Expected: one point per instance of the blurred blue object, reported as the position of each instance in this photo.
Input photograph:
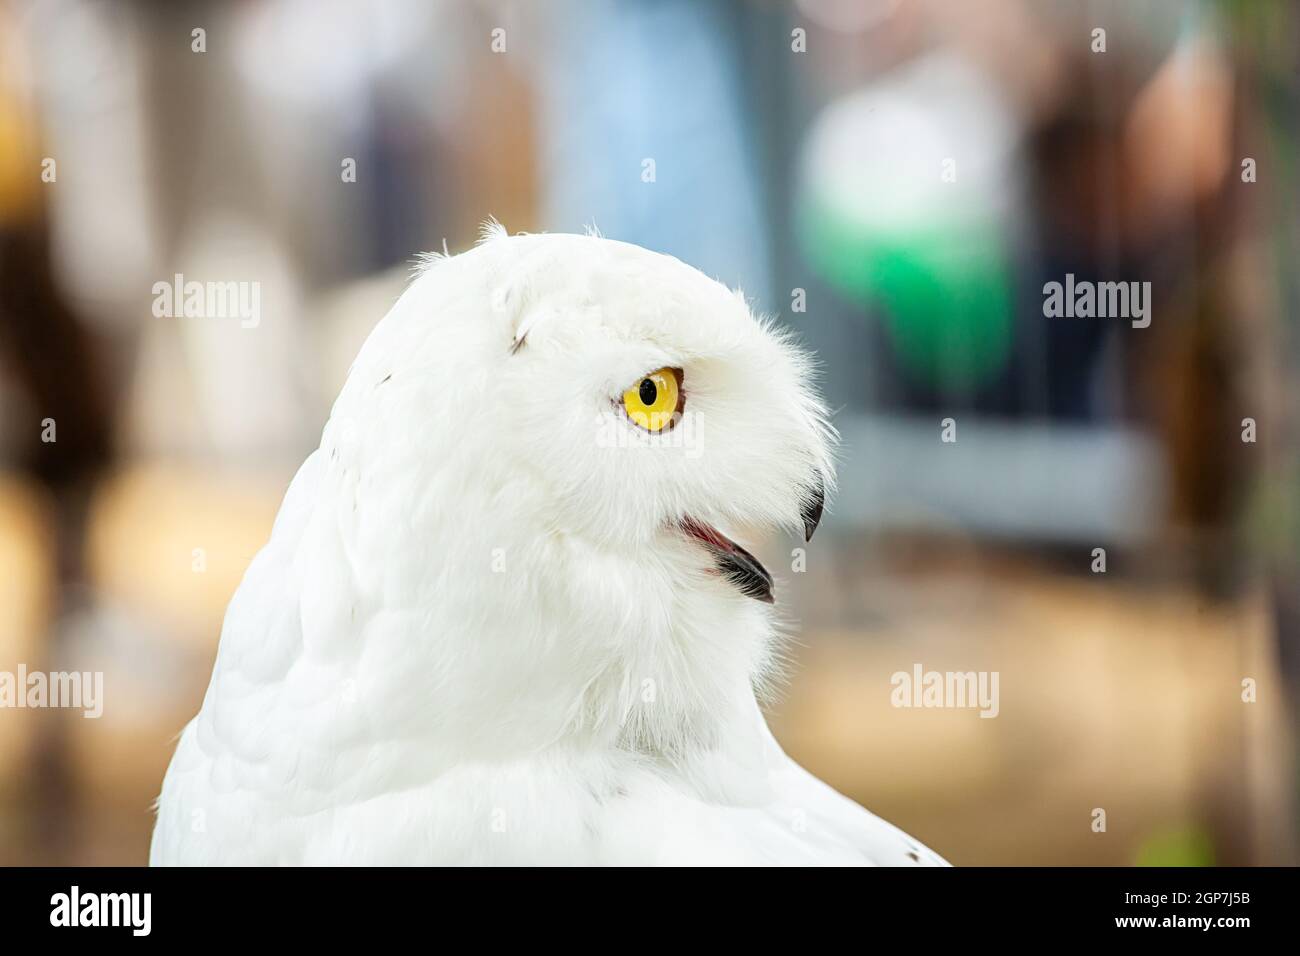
(628, 81)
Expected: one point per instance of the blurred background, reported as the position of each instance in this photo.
(896, 179)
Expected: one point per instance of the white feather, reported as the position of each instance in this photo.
(475, 636)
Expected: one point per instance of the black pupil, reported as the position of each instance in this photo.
(648, 392)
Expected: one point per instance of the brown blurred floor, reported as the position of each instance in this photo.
(1112, 696)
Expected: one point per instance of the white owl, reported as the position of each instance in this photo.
(497, 621)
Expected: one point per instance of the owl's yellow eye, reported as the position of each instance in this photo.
(654, 401)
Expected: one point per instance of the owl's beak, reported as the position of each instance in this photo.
(812, 509)
(735, 563)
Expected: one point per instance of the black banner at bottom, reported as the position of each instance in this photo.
(1147, 905)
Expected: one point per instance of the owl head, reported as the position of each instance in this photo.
(552, 449)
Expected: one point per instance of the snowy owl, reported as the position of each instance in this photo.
(499, 620)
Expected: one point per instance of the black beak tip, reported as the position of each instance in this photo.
(747, 574)
(760, 589)
(812, 511)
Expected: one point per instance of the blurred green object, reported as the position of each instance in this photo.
(909, 190)
(1186, 846)
(946, 295)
